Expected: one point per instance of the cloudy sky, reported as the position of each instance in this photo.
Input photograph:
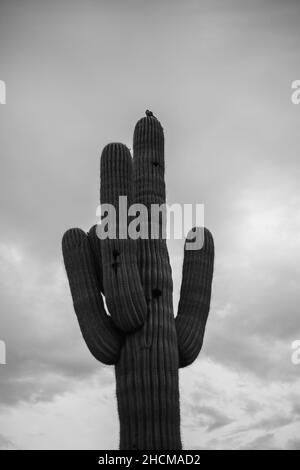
(218, 75)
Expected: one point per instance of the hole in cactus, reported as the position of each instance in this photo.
(115, 266)
(155, 164)
(115, 263)
(156, 293)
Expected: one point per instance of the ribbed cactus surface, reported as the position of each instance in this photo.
(140, 337)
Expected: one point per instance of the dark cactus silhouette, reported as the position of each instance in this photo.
(141, 337)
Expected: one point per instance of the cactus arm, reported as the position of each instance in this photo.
(122, 285)
(95, 245)
(98, 330)
(194, 300)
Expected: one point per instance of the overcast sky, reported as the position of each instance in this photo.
(217, 73)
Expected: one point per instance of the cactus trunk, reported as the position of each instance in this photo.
(147, 371)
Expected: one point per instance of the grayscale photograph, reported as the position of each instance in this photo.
(150, 221)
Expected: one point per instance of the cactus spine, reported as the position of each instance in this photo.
(141, 337)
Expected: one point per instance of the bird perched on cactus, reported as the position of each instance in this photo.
(149, 113)
(141, 337)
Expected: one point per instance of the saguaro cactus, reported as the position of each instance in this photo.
(140, 337)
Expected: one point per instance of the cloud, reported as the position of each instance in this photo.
(216, 419)
(254, 317)
(223, 408)
(84, 417)
(5, 443)
(46, 354)
(264, 442)
(293, 444)
(270, 423)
